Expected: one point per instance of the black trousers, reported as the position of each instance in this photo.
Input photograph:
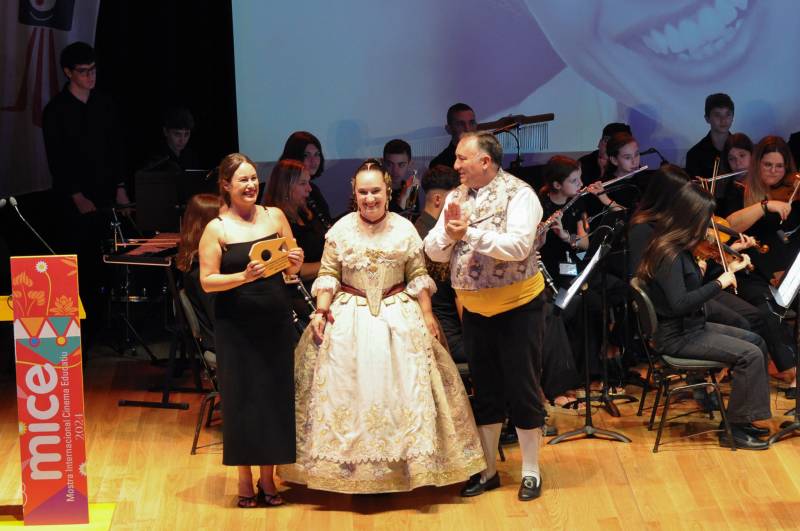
(778, 335)
(745, 351)
(504, 353)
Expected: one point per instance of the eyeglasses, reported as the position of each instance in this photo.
(86, 71)
(770, 166)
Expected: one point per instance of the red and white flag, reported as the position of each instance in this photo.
(33, 33)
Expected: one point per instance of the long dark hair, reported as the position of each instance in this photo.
(683, 225)
(614, 144)
(285, 173)
(660, 194)
(557, 169)
(295, 148)
(201, 209)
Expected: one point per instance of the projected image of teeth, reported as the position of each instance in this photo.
(699, 35)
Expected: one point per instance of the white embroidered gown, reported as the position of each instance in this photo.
(380, 406)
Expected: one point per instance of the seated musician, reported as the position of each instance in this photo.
(200, 209)
(306, 148)
(725, 307)
(437, 183)
(174, 151)
(593, 165)
(623, 158)
(288, 188)
(559, 252)
(397, 161)
(735, 157)
(675, 284)
(765, 210)
(460, 120)
(719, 116)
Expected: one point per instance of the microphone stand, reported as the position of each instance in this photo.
(517, 162)
(13, 202)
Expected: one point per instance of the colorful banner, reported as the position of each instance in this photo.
(47, 339)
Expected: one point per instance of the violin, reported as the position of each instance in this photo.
(787, 190)
(726, 233)
(708, 249)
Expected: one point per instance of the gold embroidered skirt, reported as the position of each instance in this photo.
(380, 406)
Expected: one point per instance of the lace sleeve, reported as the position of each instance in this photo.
(416, 274)
(330, 270)
(420, 283)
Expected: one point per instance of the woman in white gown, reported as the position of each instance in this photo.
(380, 406)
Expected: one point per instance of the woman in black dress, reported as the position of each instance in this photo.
(254, 333)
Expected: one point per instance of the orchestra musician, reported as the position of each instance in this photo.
(305, 147)
(766, 209)
(675, 284)
(288, 188)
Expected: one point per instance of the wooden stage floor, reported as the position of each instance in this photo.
(139, 459)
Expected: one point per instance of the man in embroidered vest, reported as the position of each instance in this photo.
(487, 234)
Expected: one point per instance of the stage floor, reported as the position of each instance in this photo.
(139, 458)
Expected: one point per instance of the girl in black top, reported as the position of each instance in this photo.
(675, 285)
(566, 238)
(763, 212)
(289, 188)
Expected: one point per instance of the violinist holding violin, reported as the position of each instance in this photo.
(675, 284)
(766, 210)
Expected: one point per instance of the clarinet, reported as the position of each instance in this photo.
(295, 279)
(547, 278)
(314, 208)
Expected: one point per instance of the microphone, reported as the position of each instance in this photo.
(650, 151)
(3, 202)
(505, 128)
(13, 202)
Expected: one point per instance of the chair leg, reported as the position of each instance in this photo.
(199, 425)
(501, 452)
(722, 412)
(212, 398)
(664, 414)
(659, 391)
(645, 390)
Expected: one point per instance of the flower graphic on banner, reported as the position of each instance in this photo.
(63, 305)
(82, 469)
(41, 266)
(23, 428)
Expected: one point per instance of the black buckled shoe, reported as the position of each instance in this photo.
(742, 440)
(474, 487)
(529, 489)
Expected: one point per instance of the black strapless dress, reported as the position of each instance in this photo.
(255, 343)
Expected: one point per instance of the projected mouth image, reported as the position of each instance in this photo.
(666, 57)
(712, 36)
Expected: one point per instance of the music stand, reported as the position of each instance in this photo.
(562, 301)
(784, 295)
(156, 197)
(161, 197)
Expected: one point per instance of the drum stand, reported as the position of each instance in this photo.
(128, 344)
